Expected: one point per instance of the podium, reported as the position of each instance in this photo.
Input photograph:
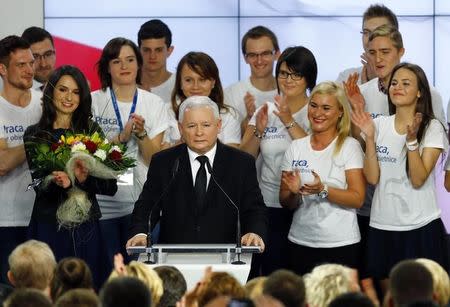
(192, 259)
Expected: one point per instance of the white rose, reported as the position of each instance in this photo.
(79, 146)
(101, 154)
(115, 148)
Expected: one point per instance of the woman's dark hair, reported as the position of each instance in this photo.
(81, 117)
(70, 273)
(111, 52)
(424, 104)
(204, 65)
(300, 60)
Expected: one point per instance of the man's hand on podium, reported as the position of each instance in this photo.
(252, 239)
(138, 240)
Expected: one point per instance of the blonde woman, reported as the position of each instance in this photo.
(322, 179)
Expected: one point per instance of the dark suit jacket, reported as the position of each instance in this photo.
(180, 222)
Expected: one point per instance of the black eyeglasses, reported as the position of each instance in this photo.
(264, 55)
(45, 56)
(294, 75)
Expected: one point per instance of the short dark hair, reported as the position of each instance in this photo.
(410, 281)
(125, 291)
(78, 298)
(300, 60)
(36, 34)
(287, 287)
(258, 32)
(9, 45)
(379, 10)
(155, 28)
(27, 297)
(111, 51)
(81, 118)
(354, 299)
(174, 285)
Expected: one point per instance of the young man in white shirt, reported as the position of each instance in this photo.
(19, 108)
(155, 44)
(43, 49)
(260, 49)
(376, 15)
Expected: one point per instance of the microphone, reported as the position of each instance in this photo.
(175, 168)
(238, 222)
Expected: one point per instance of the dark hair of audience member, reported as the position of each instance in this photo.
(82, 115)
(256, 33)
(112, 51)
(9, 45)
(70, 273)
(36, 35)
(221, 283)
(78, 298)
(174, 285)
(409, 282)
(155, 29)
(125, 291)
(354, 299)
(27, 297)
(287, 287)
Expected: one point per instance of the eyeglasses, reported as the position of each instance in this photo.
(266, 55)
(295, 76)
(45, 56)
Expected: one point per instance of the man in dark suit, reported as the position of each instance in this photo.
(194, 209)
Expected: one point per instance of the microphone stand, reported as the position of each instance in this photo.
(238, 249)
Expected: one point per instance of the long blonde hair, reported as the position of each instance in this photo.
(343, 125)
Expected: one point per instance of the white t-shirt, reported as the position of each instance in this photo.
(235, 93)
(164, 90)
(343, 75)
(17, 203)
(317, 222)
(397, 206)
(152, 108)
(272, 148)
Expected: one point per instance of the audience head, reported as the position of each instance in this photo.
(254, 287)
(287, 287)
(125, 291)
(409, 282)
(299, 65)
(31, 265)
(326, 282)
(329, 98)
(66, 83)
(119, 55)
(174, 285)
(16, 62)
(27, 298)
(197, 75)
(147, 275)
(221, 283)
(155, 29)
(260, 46)
(43, 49)
(78, 298)
(199, 123)
(376, 15)
(70, 273)
(353, 299)
(441, 281)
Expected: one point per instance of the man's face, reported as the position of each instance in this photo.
(385, 56)
(19, 72)
(260, 55)
(199, 129)
(155, 53)
(45, 58)
(369, 25)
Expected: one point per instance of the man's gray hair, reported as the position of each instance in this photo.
(198, 102)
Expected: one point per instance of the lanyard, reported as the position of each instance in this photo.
(116, 107)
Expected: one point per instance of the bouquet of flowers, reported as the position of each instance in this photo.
(102, 159)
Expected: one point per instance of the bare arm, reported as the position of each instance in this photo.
(10, 157)
(284, 114)
(254, 133)
(290, 197)
(148, 147)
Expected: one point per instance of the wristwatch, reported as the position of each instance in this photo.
(141, 136)
(324, 193)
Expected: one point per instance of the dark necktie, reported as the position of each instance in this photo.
(200, 183)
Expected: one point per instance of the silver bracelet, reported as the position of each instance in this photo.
(291, 125)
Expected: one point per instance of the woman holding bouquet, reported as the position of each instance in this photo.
(66, 110)
(130, 116)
